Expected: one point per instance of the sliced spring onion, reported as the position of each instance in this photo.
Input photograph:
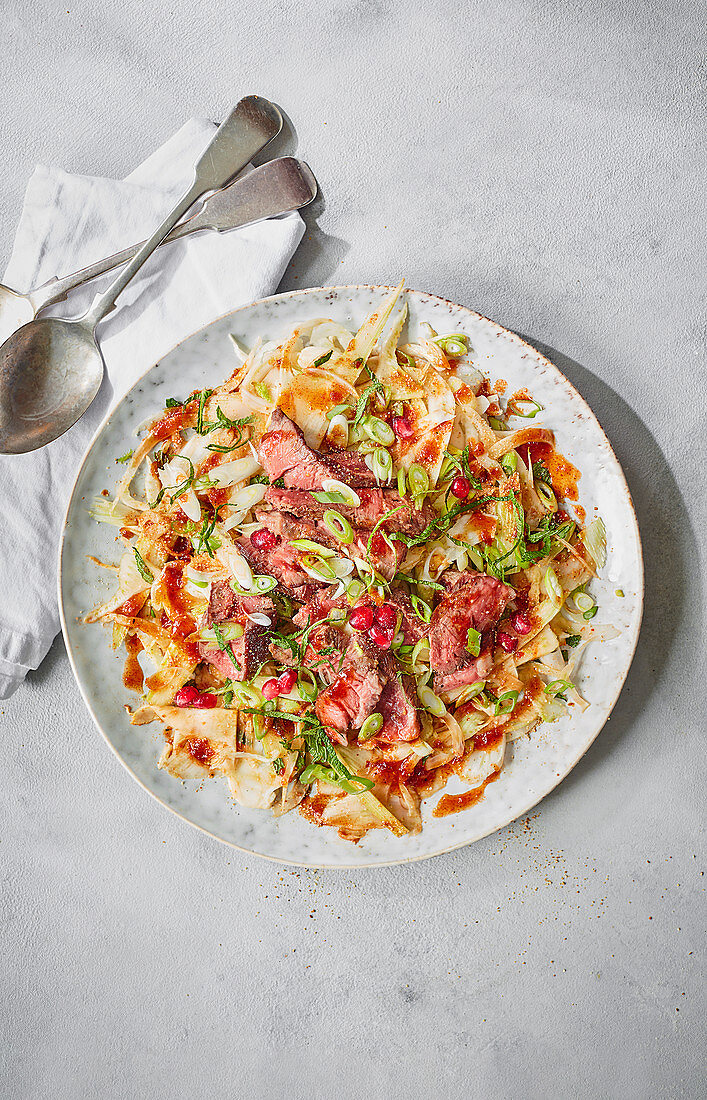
(242, 572)
(354, 590)
(316, 771)
(351, 497)
(263, 584)
(431, 702)
(313, 547)
(497, 424)
(323, 359)
(418, 479)
(417, 651)
(339, 526)
(307, 684)
(546, 495)
(259, 618)
(619, 592)
(246, 694)
(382, 464)
(584, 601)
(337, 410)
(401, 482)
(532, 408)
(471, 692)
(422, 608)
(509, 462)
(329, 498)
(473, 642)
(591, 613)
(262, 390)
(454, 345)
(317, 568)
(555, 687)
(370, 727)
(552, 586)
(377, 430)
(230, 632)
(506, 702)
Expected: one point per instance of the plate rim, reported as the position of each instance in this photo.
(640, 587)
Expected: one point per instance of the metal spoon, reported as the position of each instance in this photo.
(51, 369)
(277, 187)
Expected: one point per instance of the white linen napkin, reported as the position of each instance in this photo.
(70, 221)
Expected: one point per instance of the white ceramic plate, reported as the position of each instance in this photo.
(534, 766)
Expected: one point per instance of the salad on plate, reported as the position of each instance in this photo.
(352, 570)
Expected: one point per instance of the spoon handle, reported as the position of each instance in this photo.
(277, 187)
(237, 139)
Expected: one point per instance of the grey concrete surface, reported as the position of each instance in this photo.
(542, 162)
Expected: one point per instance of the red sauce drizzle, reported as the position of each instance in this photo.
(564, 475)
(454, 803)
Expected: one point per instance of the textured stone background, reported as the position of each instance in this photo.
(540, 162)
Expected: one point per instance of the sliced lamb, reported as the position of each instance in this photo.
(249, 652)
(353, 695)
(284, 453)
(251, 649)
(319, 605)
(412, 626)
(398, 704)
(385, 556)
(323, 654)
(281, 562)
(375, 503)
(225, 604)
(475, 601)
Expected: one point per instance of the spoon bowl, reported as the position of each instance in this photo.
(50, 371)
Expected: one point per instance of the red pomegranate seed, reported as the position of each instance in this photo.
(361, 618)
(262, 539)
(186, 695)
(205, 701)
(286, 681)
(402, 427)
(461, 487)
(385, 616)
(271, 689)
(507, 641)
(521, 624)
(380, 636)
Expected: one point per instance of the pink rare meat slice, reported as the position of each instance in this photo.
(474, 602)
(242, 656)
(353, 695)
(284, 453)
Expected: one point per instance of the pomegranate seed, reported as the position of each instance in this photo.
(262, 539)
(286, 681)
(402, 427)
(361, 618)
(521, 624)
(186, 695)
(461, 487)
(380, 636)
(507, 641)
(205, 701)
(271, 689)
(385, 616)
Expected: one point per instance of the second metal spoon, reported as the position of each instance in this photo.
(278, 187)
(51, 369)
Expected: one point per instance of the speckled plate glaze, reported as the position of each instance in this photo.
(534, 765)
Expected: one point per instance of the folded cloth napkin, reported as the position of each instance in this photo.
(68, 222)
